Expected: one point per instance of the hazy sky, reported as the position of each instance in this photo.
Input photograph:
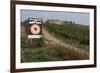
(79, 18)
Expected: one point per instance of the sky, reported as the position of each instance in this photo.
(78, 18)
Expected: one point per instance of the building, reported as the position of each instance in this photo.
(55, 22)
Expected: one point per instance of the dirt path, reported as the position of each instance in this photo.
(54, 40)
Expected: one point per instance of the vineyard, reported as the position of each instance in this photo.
(74, 34)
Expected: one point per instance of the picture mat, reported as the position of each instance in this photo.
(20, 65)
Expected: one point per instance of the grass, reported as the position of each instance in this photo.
(32, 55)
(50, 53)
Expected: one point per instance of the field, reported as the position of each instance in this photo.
(59, 43)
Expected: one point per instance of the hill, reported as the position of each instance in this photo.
(59, 43)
